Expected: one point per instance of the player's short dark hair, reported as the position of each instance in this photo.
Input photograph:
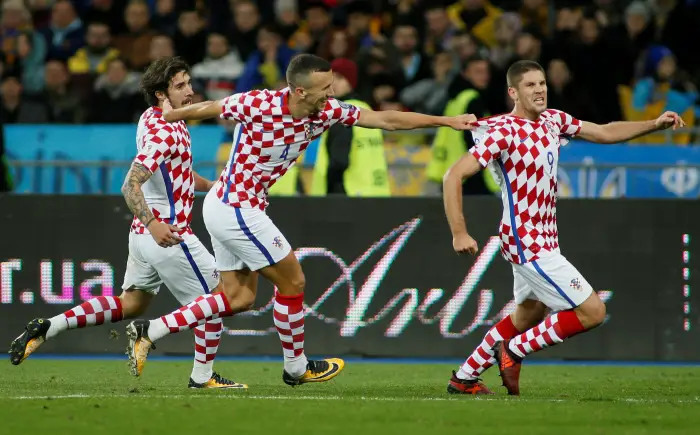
(158, 76)
(302, 66)
(518, 69)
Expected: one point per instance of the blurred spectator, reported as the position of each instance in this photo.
(528, 45)
(164, 18)
(313, 33)
(244, 31)
(562, 94)
(64, 106)
(266, 66)
(5, 174)
(602, 88)
(65, 34)
(217, 74)
(663, 88)
(161, 47)
(380, 59)
(466, 95)
(190, 37)
(110, 12)
(385, 93)
(359, 23)
(134, 45)
(476, 16)
(16, 22)
(287, 17)
(439, 29)
(338, 44)
(23, 49)
(430, 94)
(462, 47)
(609, 13)
(632, 38)
(507, 27)
(678, 29)
(403, 11)
(416, 66)
(16, 108)
(98, 52)
(117, 97)
(535, 13)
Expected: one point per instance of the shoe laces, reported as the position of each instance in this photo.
(221, 380)
(316, 367)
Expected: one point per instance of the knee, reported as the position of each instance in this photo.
(298, 283)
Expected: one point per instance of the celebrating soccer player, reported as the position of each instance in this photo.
(521, 149)
(159, 190)
(273, 129)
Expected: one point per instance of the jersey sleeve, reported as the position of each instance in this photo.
(491, 144)
(156, 146)
(241, 107)
(344, 113)
(569, 126)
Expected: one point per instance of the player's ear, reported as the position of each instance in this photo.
(512, 93)
(161, 96)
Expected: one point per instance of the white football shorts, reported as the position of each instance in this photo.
(242, 237)
(551, 280)
(187, 269)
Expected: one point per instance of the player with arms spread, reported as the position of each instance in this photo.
(159, 190)
(522, 151)
(274, 128)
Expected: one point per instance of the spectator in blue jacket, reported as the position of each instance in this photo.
(65, 34)
(266, 66)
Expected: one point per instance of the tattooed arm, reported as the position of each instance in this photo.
(163, 234)
(131, 189)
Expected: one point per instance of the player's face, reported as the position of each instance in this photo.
(180, 90)
(320, 90)
(531, 92)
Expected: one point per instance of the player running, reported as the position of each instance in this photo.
(522, 151)
(159, 190)
(274, 128)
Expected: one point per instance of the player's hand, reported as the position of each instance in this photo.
(669, 119)
(464, 244)
(165, 235)
(462, 122)
(167, 107)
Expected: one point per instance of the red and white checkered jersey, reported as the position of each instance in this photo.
(523, 156)
(164, 148)
(268, 140)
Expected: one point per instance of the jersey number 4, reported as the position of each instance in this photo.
(285, 153)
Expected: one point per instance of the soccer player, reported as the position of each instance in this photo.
(522, 151)
(159, 190)
(274, 128)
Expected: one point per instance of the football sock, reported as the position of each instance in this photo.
(96, 311)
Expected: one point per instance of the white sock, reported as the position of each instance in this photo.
(157, 329)
(461, 374)
(202, 372)
(57, 325)
(296, 366)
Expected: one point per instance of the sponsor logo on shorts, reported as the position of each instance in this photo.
(576, 284)
(215, 274)
(277, 241)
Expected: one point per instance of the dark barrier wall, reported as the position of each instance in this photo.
(382, 279)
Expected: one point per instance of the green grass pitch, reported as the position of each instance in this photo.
(44, 396)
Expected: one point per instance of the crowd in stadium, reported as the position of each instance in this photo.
(80, 61)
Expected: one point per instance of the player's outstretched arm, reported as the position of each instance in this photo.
(131, 189)
(201, 184)
(193, 112)
(394, 120)
(464, 168)
(622, 131)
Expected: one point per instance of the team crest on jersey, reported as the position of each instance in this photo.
(576, 284)
(308, 131)
(277, 241)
